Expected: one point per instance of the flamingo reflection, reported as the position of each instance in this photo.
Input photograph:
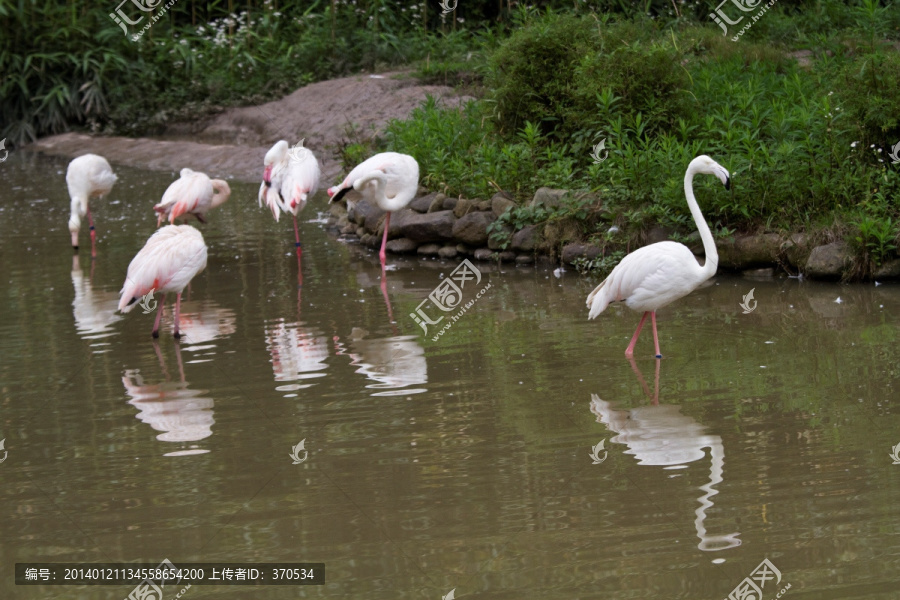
(660, 435)
(95, 312)
(393, 363)
(181, 414)
(298, 353)
(205, 321)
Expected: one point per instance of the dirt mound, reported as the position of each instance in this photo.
(234, 142)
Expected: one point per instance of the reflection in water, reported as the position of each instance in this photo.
(181, 414)
(393, 362)
(660, 435)
(297, 353)
(94, 311)
(205, 321)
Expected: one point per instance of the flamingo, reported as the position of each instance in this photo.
(394, 180)
(193, 194)
(290, 177)
(168, 261)
(87, 176)
(653, 276)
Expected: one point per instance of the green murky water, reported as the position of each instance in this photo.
(462, 463)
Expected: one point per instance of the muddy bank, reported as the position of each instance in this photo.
(233, 143)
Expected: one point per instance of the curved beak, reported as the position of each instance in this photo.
(267, 175)
(75, 240)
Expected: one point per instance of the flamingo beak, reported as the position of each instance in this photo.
(267, 176)
(75, 240)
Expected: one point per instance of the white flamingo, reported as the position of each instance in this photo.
(194, 193)
(389, 179)
(653, 276)
(290, 177)
(167, 263)
(87, 176)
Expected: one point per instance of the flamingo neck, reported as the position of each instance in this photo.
(222, 192)
(709, 245)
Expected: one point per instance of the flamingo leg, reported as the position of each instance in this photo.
(297, 242)
(159, 312)
(655, 335)
(93, 234)
(387, 225)
(177, 314)
(629, 351)
(387, 300)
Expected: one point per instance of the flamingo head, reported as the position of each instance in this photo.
(706, 165)
(276, 154)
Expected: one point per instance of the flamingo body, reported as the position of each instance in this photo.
(389, 179)
(87, 176)
(169, 260)
(290, 177)
(194, 193)
(656, 275)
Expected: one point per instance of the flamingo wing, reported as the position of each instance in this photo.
(191, 193)
(301, 179)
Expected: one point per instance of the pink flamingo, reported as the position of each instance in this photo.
(167, 263)
(87, 176)
(290, 177)
(653, 276)
(389, 179)
(193, 194)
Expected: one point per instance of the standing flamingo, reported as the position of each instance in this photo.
(193, 194)
(394, 180)
(290, 177)
(168, 261)
(87, 176)
(655, 275)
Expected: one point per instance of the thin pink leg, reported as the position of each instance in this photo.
(655, 335)
(297, 242)
(387, 225)
(93, 234)
(629, 351)
(177, 314)
(159, 312)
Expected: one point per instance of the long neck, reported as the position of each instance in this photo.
(717, 460)
(222, 192)
(709, 246)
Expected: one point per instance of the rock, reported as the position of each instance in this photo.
(447, 252)
(548, 197)
(483, 254)
(524, 259)
(367, 214)
(766, 273)
(437, 204)
(828, 261)
(421, 190)
(507, 256)
(471, 229)
(398, 218)
(428, 249)
(450, 203)
(360, 231)
(336, 209)
(464, 249)
(401, 246)
(796, 250)
(525, 240)
(749, 251)
(348, 229)
(658, 234)
(422, 203)
(430, 227)
(889, 270)
(494, 243)
(572, 251)
(463, 206)
(366, 239)
(501, 202)
(484, 205)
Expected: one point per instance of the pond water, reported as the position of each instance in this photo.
(429, 466)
